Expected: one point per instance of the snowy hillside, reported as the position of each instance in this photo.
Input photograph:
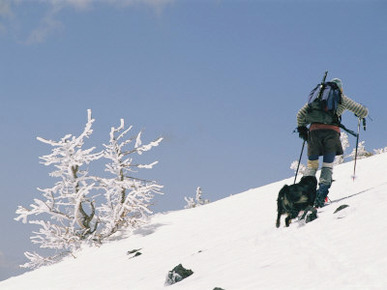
(233, 244)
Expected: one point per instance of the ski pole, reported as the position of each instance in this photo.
(357, 145)
(299, 161)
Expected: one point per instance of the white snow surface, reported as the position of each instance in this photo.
(233, 244)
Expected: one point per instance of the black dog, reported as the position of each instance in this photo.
(297, 197)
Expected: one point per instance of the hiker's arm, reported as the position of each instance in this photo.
(358, 109)
(301, 116)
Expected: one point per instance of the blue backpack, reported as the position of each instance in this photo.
(323, 102)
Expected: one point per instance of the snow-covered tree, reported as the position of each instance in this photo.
(294, 166)
(198, 201)
(72, 211)
(345, 144)
(127, 198)
(380, 150)
(361, 151)
(69, 204)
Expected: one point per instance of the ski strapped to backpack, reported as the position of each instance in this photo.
(323, 102)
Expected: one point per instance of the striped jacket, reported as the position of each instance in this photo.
(346, 104)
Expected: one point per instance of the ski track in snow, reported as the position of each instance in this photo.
(233, 244)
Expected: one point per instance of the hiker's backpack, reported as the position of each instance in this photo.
(323, 101)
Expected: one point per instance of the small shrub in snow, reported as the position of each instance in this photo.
(380, 151)
(191, 202)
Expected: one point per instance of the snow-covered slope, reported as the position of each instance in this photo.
(233, 244)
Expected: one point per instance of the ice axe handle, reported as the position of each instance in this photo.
(325, 77)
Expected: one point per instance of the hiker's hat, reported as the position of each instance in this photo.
(338, 82)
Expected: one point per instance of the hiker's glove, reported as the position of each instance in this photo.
(303, 132)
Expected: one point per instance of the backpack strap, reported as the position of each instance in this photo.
(348, 130)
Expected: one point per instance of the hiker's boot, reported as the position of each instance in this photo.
(321, 195)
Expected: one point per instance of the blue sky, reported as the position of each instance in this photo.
(221, 81)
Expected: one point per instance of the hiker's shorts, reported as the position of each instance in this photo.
(324, 141)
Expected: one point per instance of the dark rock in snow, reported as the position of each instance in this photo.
(177, 274)
(133, 251)
(341, 207)
(136, 253)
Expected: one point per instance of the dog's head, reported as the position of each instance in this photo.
(304, 191)
(309, 181)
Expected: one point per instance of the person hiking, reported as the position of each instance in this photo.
(324, 140)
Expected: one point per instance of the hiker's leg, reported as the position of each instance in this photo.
(312, 166)
(325, 179)
(314, 152)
